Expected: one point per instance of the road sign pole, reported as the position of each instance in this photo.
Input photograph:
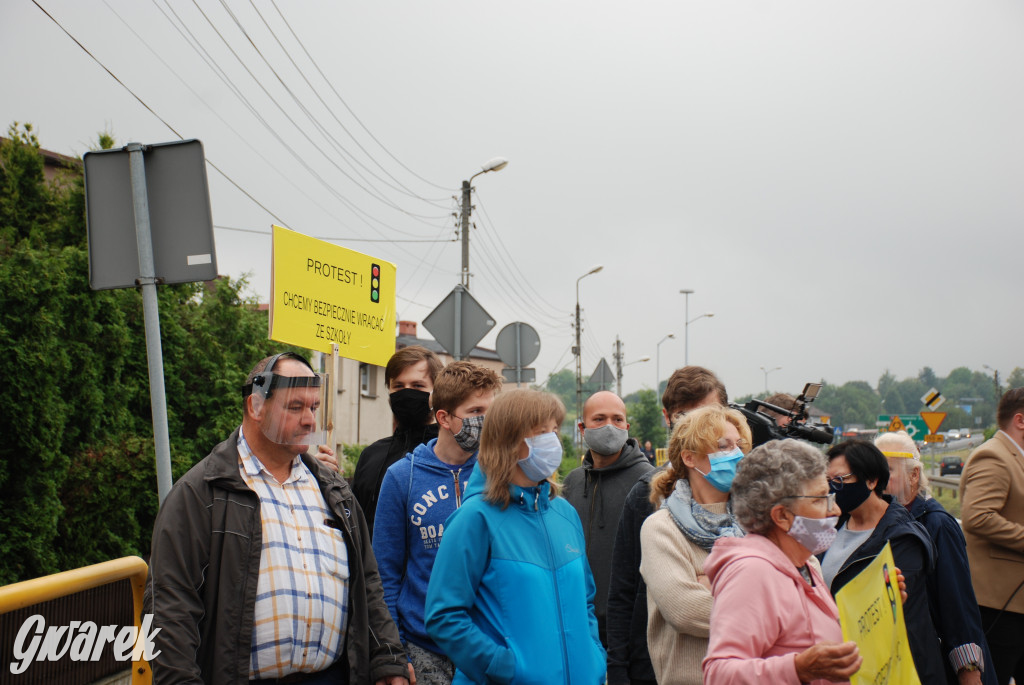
(457, 352)
(151, 316)
(519, 355)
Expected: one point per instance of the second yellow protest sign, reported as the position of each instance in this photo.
(323, 293)
(871, 615)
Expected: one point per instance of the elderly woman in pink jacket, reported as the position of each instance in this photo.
(773, 618)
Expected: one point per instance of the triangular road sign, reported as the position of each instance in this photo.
(896, 425)
(602, 376)
(933, 419)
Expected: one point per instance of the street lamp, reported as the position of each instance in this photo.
(657, 364)
(706, 315)
(766, 372)
(686, 317)
(496, 164)
(995, 379)
(576, 350)
(618, 381)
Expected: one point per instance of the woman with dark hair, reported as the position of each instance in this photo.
(858, 474)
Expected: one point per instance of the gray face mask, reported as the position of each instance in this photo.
(606, 440)
(468, 437)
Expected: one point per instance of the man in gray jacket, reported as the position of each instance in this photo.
(598, 488)
(261, 566)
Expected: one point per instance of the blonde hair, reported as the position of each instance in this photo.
(900, 444)
(697, 432)
(513, 417)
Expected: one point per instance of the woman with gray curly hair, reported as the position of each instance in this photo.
(773, 618)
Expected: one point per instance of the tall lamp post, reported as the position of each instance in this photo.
(496, 164)
(576, 349)
(618, 381)
(995, 380)
(657, 364)
(766, 372)
(686, 317)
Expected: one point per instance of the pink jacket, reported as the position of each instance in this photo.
(764, 613)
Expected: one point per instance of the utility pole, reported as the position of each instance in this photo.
(576, 352)
(467, 208)
(618, 366)
(496, 164)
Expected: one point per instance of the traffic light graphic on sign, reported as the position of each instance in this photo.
(375, 283)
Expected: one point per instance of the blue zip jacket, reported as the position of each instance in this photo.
(418, 494)
(511, 599)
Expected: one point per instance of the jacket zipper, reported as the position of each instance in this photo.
(558, 599)
(458, 489)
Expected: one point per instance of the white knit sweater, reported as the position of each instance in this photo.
(678, 606)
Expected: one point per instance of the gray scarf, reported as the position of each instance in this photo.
(699, 525)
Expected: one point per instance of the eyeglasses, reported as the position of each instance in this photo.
(830, 499)
(837, 482)
(726, 446)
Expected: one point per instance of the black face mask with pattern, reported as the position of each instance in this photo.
(410, 406)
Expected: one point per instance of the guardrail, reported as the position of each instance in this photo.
(27, 593)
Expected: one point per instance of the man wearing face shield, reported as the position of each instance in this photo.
(598, 489)
(261, 565)
(951, 597)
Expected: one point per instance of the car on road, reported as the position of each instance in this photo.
(953, 434)
(951, 466)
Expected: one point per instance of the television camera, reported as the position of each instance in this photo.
(764, 427)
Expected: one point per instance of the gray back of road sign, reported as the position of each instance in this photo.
(179, 212)
(602, 376)
(475, 322)
(519, 353)
(520, 375)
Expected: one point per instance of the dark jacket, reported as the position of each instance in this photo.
(203, 575)
(628, 658)
(377, 458)
(914, 554)
(598, 496)
(954, 608)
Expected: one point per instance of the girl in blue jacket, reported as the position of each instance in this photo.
(511, 597)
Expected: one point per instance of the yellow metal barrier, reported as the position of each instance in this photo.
(660, 456)
(29, 592)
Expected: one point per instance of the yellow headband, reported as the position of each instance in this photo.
(903, 455)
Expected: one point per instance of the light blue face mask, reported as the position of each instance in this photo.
(723, 469)
(545, 456)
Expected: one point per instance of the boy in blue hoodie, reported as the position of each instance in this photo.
(418, 494)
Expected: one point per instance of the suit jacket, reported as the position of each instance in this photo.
(992, 497)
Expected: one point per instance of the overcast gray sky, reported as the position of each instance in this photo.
(839, 183)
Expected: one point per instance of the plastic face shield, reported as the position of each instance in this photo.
(291, 409)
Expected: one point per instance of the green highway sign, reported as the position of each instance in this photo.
(912, 423)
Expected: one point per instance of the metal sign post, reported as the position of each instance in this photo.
(458, 323)
(518, 344)
(155, 199)
(151, 313)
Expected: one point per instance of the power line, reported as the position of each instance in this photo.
(292, 121)
(330, 110)
(337, 239)
(345, 104)
(151, 111)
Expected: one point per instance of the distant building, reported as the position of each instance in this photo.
(361, 410)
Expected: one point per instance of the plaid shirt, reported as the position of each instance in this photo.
(302, 591)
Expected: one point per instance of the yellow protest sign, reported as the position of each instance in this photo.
(323, 293)
(871, 615)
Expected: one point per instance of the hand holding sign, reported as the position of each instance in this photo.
(828, 661)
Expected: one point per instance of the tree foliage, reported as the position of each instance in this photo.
(645, 418)
(77, 475)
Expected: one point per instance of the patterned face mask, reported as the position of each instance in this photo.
(817, 535)
(468, 437)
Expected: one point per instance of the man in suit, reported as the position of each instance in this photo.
(992, 493)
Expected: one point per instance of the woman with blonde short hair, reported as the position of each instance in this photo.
(511, 598)
(693, 511)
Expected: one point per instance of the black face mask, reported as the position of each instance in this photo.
(851, 496)
(410, 406)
